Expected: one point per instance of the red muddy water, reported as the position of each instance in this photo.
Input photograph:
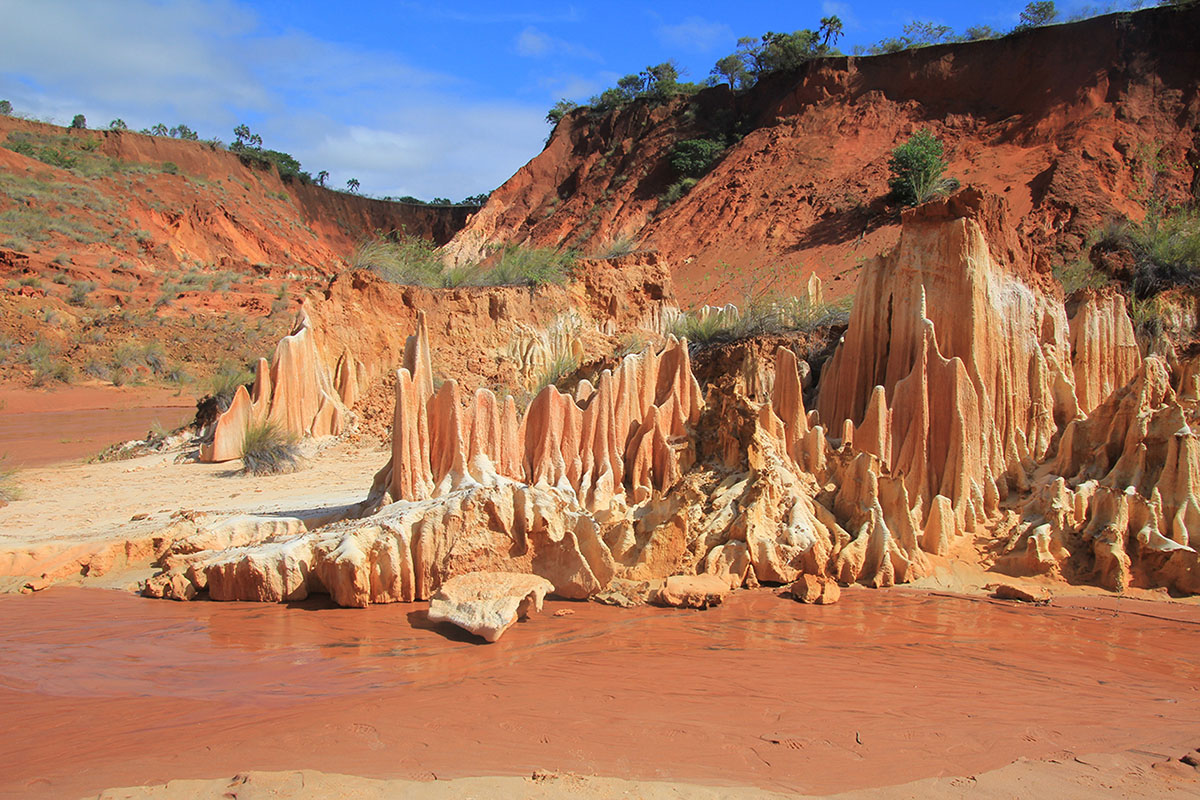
(46, 427)
(101, 689)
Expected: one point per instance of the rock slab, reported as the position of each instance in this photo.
(488, 603)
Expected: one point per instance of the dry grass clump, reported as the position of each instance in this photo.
(267, 450)
(761, 317)
(559, 367)
(412, 261)
(10, 490)
(224, 383)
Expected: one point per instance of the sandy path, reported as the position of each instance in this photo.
(102, 689)
(68, 507)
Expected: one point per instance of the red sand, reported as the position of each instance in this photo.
(102, 689)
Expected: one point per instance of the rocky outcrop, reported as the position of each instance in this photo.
(626, 438)
(350, 337)
(949, 407)
(296, 393)
(967, 345)
(488, 603)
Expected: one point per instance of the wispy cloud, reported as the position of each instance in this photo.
(212, 64)
(696, 34)
(567, 13)
(533, 43)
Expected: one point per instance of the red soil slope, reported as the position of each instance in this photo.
(118, 238)
(1073, 124)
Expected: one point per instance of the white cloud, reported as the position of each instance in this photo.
(697, 35)
(209, 64)
(533, 43)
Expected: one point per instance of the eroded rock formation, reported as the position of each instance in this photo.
(348, 338)
(949, 417)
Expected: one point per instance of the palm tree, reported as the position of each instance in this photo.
(322, 176)
(831, 30)
(352, 184)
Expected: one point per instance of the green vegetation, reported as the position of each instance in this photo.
(248, 146)
(79, 293)
(6, 108)
(776, 52)
(1037, 14)
(561, 366)
(79, 123)
(917, 167)
(267, 450)
(400, 259)
(691, 158)
(621, 245)
(224, 383)
(412, 261)
(1165, 248)
(764, 315)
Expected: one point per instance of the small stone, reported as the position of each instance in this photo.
(564, 612)
(139, 517)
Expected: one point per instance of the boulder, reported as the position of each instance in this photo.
(693, 591)
(488, 603)
(815, 589)
(1008, 591)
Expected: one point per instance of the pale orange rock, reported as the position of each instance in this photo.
(692, 591)
(488, 603)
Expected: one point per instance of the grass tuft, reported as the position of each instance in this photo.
(267, 450)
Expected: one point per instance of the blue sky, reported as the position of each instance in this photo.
(412, 98)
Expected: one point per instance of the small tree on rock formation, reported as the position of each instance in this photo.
(352, 184)
(1037, 14)
(322, 176)
(118, 124)
(5, 108)
(917, 167)
(79, 123)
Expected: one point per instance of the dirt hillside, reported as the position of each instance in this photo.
(1073, 124)
(127, 257)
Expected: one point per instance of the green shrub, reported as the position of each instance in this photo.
(917, 167)
(766, 315)
(675, 191)
(50, 369)
(224, 383)
(621, 245)
(1079, 274)
(267, 450)
(530, 266)
(1165, 248)
(558, 368)
(79, 293)
(462, 275)
(407, 260)
(79, 122)
(691, 158)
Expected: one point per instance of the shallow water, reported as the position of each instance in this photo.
(102, 689)
(34, 439)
